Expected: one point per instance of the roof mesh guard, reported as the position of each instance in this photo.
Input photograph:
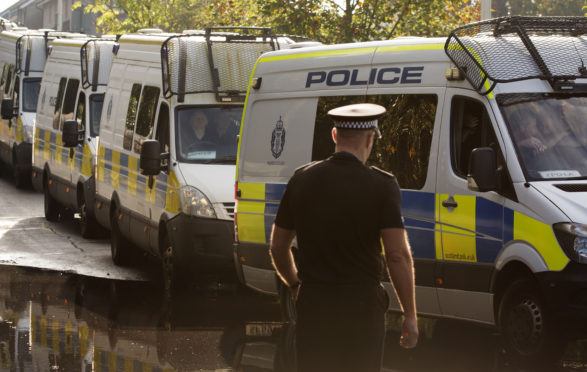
(511, 49)
(218, 62)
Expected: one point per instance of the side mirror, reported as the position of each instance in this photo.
(7, 109)
(483, 173)
(150, 160)
(70, 134)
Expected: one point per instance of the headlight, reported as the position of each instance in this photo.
(27, 133)
(195, 203)
(572, 237)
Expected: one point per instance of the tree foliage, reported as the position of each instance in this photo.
(329, 21)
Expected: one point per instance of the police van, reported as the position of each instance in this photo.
(22, 54)
(67, 126)
(168, 141)
(486, 135)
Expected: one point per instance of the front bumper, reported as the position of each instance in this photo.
(202, 242)
(254, 267)
(566, 293)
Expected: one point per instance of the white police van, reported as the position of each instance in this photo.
(499, 234)
(22, 55)
(176, 202)
(67, 125)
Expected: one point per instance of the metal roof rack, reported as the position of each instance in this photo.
(518, 48)
(231, 53)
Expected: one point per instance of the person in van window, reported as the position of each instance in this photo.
(470, 133)
(195, 132)
(224, 132)
(340, 209)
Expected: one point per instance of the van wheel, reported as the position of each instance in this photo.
(120, 247)
(52, 207)
(527, 327)
(19, 176)
(168, 267)
(88, 225)
(286, 304)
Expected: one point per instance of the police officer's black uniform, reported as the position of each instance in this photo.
(337, 208)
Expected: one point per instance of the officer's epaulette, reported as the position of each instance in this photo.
(307, 166)
(381, 171)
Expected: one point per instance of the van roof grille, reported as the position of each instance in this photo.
(573, 187)
(518, 48)
(226, 70)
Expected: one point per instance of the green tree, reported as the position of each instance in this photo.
(124, 16)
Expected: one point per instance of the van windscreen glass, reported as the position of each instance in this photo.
(30, 94)
(208, 134)
(96, 103)
(549, 132)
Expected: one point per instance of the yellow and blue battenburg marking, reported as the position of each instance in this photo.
(476, 232)
(122, 172)
(63, 337)
(48, 142)
(108, 361)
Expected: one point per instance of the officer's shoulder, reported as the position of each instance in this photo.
(381, 172)
(306, 167)
(383, 175)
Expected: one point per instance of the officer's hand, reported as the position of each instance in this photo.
(409, 337)
(294, 293)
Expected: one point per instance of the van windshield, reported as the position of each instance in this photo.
(96, 102)
(30, 94)
(549, 132)
(208, 134)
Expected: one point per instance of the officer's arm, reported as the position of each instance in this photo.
(401, 270)
(281, 255)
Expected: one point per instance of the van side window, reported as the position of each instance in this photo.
(69, 101)
(406, 130)
(80, 112)
(58, 101)
(3, 79)
(146, 117)
(16, 92)
(471, 128)
(131, 116)
(8, 82)
(163, 127)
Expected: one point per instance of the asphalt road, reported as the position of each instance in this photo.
(27, 239)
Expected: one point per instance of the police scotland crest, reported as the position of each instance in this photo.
(278, 139)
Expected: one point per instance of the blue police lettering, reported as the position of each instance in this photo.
(356, 77)
(412, 75)
(331, 81)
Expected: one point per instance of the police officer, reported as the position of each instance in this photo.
(339, 209)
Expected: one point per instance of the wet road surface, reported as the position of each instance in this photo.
(65, 307)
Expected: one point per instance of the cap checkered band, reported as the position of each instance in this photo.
(356, 124)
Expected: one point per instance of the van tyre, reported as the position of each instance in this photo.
(51, 206)
(120, 247)
(528, 329)
(20, 177)
(88, 225)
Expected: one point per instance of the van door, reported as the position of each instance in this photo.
(471, 223)
(80, 117)
(161, 135)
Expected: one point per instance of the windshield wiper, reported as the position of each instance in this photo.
(230, 159)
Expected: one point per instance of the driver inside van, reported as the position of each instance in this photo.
(195, 132)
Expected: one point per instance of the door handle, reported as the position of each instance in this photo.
(450, 203)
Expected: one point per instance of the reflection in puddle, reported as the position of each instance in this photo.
(55, 322)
